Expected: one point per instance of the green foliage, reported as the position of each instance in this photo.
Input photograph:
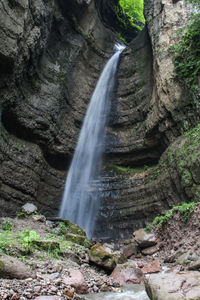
(7, 226)
(127, 169)
(6, 242)
(195, 2)
(27, 238)
(62, 228)
(185, 209)
(187, 54)
(134, 10)
(148, 228)
(21, 215)
(121, 38)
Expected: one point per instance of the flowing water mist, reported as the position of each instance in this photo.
(80, 200)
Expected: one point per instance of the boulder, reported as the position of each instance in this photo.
(150, 250)
(127, 273)
(195, 265)
(144, 239)
(152, 267)
(183, 259)
(99, 256)
(29, 208)
(75, 279)
(47, 244)
(11, 267)
(173, 286)
(39, 218)
(130, 250)
(77, 239)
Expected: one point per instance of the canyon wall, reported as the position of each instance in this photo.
(51, 55)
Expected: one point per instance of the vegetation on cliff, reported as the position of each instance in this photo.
(134, 10)
(130, 14)
(187, 53)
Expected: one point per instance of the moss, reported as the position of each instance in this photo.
(122, 170)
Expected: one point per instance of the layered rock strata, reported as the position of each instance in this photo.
(51, 55)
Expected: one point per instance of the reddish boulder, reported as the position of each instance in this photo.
(152, 267)
(75, 279)
(127, 273)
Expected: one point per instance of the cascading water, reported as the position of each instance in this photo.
(80, 200)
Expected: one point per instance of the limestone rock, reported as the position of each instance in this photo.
(152, 267)
(127, 273)
(130, 250)
(29, 208)
(150, 250)
(11, 267)
(75, 279)
(39, 218)
(102, 258)
(173, 286)
(144, 239)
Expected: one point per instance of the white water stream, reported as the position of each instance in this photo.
(131, 292)
(80, 200)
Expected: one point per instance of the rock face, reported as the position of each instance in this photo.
(51, 55)
(173, 286)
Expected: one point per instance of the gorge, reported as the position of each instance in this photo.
(51, 55)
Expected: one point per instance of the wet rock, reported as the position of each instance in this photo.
(75, 279)
(144, 239)
(11, 267)
(127, 273)
(173, 286)
(29, 208)
(152, 267)
(102, 258)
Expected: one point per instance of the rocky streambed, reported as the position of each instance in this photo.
(42, 259)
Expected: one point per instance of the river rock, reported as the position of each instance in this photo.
(127, 273)
(195, 265)
(144, 239)
(130, 250)
(29, 208)
(102, 258)
(11, 267)
(47, 298)
(152, 267)
(173, 286)
(75, 279)
(150, 250)
(39, 218)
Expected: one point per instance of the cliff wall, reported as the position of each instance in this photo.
(51, 55)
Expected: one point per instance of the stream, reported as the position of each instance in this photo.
(129, 292)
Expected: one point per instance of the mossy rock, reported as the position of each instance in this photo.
(77, 239)
(102, 258)
(73, 228)
(47, 245)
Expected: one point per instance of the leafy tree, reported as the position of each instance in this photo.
(134, 10)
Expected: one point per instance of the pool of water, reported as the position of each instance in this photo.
(131, 292)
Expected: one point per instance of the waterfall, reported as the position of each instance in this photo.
(80, 200)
